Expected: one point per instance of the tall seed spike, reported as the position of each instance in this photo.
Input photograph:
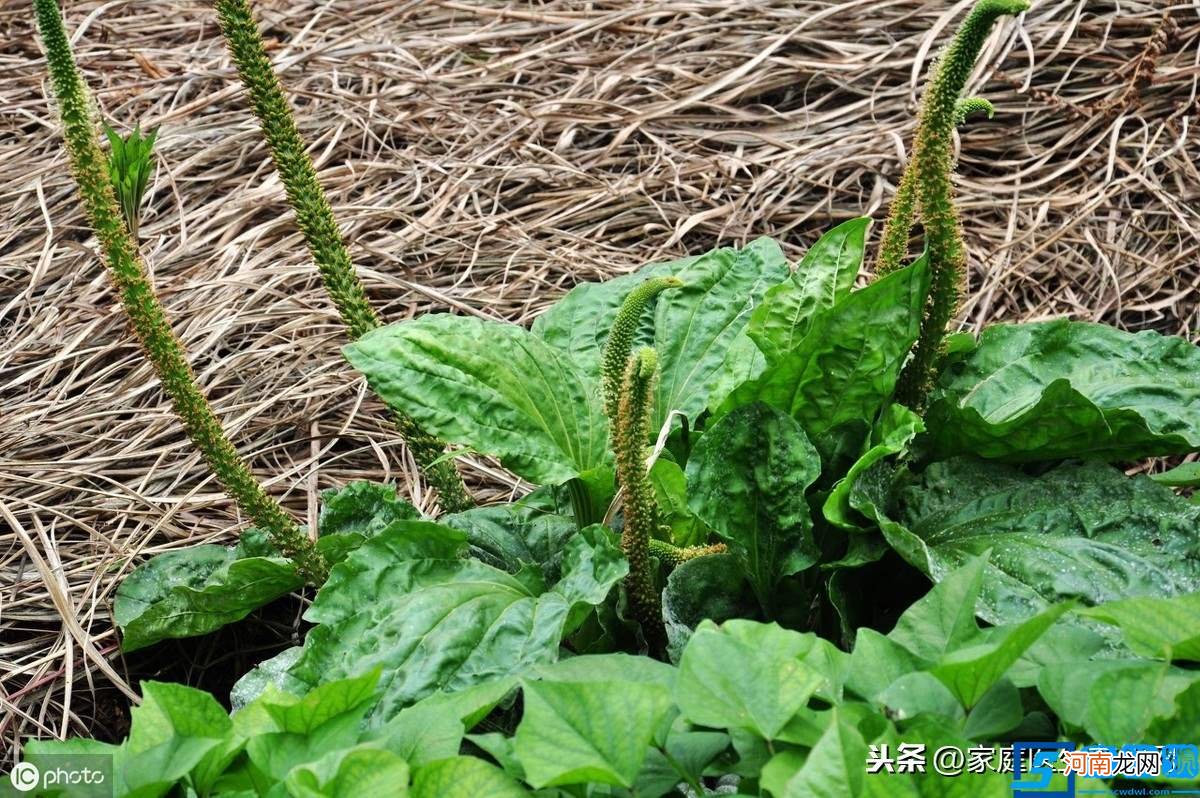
(319, 227)
(930, 185)
(620, 337)
(146, 315)
(630, 433)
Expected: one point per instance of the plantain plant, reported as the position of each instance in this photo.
(321, 234)
(146, 314)
(795, 504)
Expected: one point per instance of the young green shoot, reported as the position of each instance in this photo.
(130, 160)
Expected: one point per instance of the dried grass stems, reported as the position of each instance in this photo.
(484, 158)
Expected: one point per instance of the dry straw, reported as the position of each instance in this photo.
(485, 160)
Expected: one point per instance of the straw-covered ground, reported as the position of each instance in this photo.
(485, 157)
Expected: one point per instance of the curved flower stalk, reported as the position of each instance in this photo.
(926, 181)
(320, 229)
(629, 444)
(620, 338)
(146, 315)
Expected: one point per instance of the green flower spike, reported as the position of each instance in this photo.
(629, 444)
(927, 181)
(674, 556)
(320, 229)
(620, 338)
(146, 315)
(970, 106)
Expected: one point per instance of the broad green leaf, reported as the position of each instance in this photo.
(1066, 641)
(943, 620)
(425, 732)
(177, 730)
(362, 508)
(1125, 702)
(513, 536)
(472, 704)
(919, 693)
(683, 758)
(354, 773)
(896, 428)
(820, 281)
(305, 714)
(1061, 388)
(616, 667)
(578, 324)
(492, 386)
(998, 711)
(299, 731)
(838, 377)
(691, 752)
(747, 478)
(877, 661)
(463, 777)
(408, 603)
(1182, 723)
(1167, 628)
(501, 749)
(355, 512)
(745, 675)
(1113, 699)
(743, 363)
(271, 672)
(588, 732)
(670, 492)
(707, 588)
(699, 330)
(833, 769)
(199, 589)
(1185, 475)
(1079, 531)
(694, 326)
(970, 672)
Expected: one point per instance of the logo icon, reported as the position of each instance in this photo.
(1180, 761)
(1035, 782)
(25, 776)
